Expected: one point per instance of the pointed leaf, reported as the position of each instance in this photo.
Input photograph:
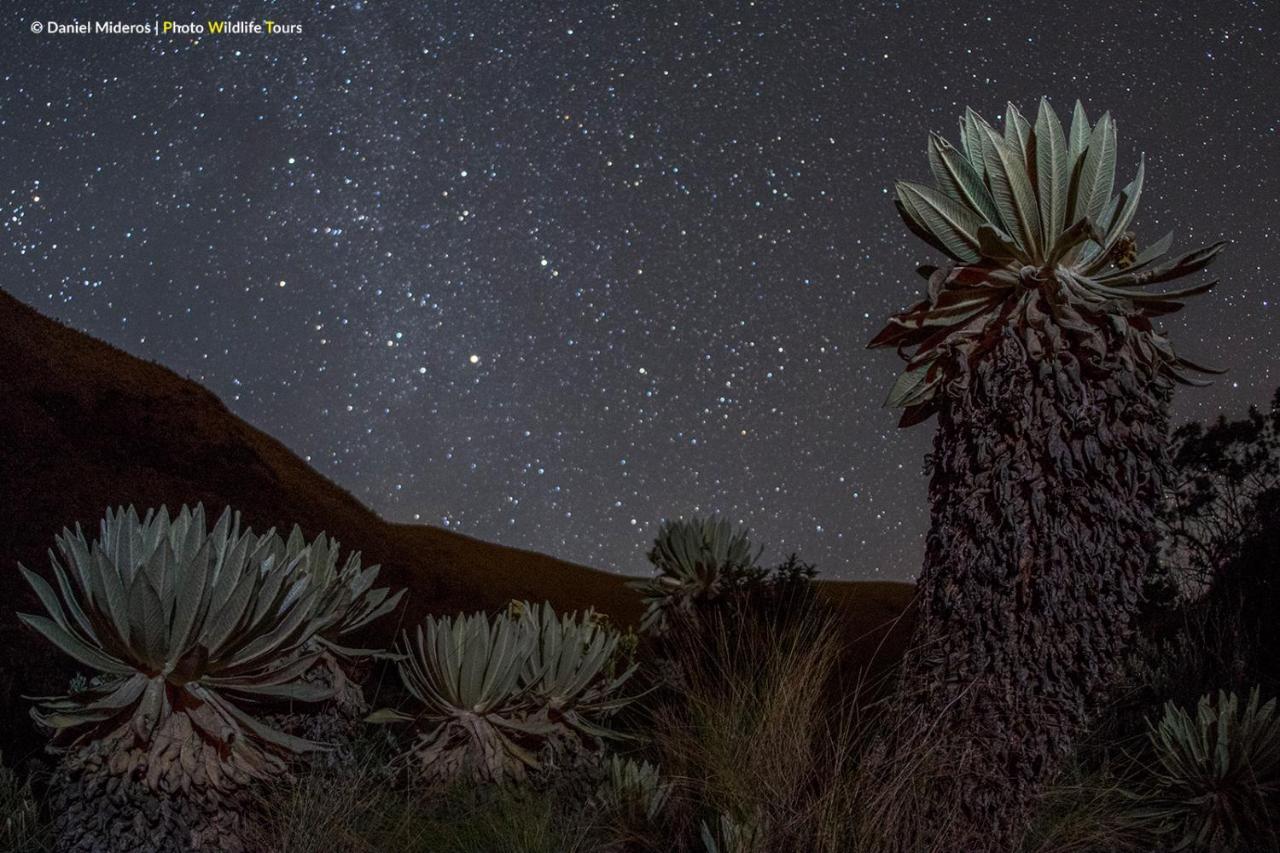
(1012, 191)
(916, 227)
(996, 244)
(1093, 185)
(1185, 265)
(388, 715)
(953, 224)
(1152, 253)
(1052, 172)
(1017, 135)
(74, 646)
(1132, 194)
(971, 125)
(907, 382)
(1071, 238)
(1080, 132)
(957, 178)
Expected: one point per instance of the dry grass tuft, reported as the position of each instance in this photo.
(22, 826)
(765, 738)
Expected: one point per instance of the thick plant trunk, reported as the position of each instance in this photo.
(1045, 478)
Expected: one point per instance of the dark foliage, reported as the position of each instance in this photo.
(1225, 474)
(772, 595)
(1214, 625)
(1217, 624)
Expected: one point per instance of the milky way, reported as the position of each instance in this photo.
(545, 277)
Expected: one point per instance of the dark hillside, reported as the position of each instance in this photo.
(85, 425)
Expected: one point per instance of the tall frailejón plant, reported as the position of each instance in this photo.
(1036, 347)
(190, 631)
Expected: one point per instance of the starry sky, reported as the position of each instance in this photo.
(546, 274)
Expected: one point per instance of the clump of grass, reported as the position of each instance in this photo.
(758, 734)
(325, 809)
(776, 745)
(358, 809)
(22, 826)
(899, 763)
(1086, 810)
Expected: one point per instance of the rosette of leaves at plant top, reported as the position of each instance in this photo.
(346, 599)
(190, 629)
(1021, 215)
(467, 677)
(697, 560)
(570, 670)
(1215, 781)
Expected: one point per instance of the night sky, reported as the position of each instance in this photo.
(547, 275)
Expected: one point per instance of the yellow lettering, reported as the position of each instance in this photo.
(217, 27)
(167, 27)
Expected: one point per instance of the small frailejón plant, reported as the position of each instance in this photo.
(465, 672)
(1215, 784)
(190, 630)
(345, 601)
(571, 671)
(731, 835)
(500, 696)
(1036, 345)
(633, 792)
(697, 561)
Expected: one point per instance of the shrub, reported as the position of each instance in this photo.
(1222, 473)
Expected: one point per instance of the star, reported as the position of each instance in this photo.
(611, 234)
